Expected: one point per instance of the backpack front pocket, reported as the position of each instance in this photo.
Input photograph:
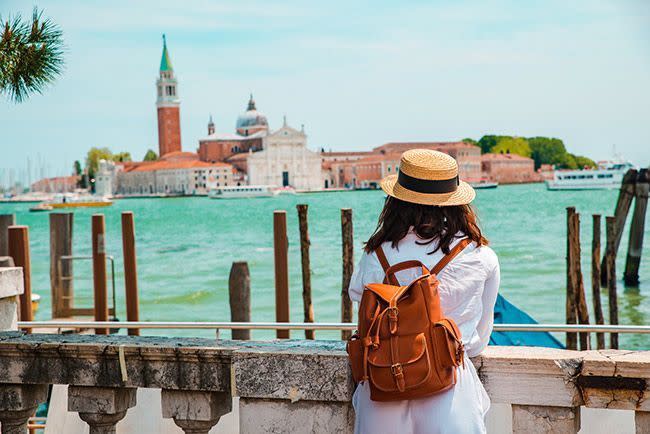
(410, 368)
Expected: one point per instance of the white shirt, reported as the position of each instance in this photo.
(468, 290)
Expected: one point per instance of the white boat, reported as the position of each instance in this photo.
(608, 175)
(241, 191)
(483, 183)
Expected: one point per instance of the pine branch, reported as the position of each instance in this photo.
(31, 55)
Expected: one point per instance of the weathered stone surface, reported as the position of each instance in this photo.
(272, 416)
(9, 313)
(101, 407)
(189, 364)
(195, 412)
(510, 373)
(532, 419)
(17, 403)
(317, 371)
(11, 281)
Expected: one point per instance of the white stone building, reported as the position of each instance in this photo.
(286, 161)
(177, 173)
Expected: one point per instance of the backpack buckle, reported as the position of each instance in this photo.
(396, 369)
(392, 318)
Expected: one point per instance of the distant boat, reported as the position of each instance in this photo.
(72, 200)
(607, 176)
(483, 183)
(507, 313)
(240, 191)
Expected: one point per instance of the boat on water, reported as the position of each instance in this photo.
(72, 200)
(608, 175)
(483, 183)
(248, 191)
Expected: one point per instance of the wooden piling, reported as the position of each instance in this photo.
(348, 267)
(281, 249)
(6, 220)
(99, 271)
(571, 312)
(239, 291)
(625, 196)
(130, 271)
(610, 256)
(308, 308)
(595, 280)
(61, 282)
(578, 283)
(637, 228)
(18, 238)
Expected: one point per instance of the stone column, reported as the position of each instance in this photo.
(11, 286)
(195, 412)
(18, 403)
(537, 419)
(642, 421)
(101, 407)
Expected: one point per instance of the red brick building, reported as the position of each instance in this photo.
(59, 184)
(509, 168)
(366, 169)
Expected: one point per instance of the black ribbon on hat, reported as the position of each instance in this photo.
(428, 186)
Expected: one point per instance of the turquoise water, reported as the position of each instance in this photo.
(185, 247)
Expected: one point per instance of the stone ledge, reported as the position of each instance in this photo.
(11, 282)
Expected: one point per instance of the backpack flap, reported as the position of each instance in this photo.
(447, 344)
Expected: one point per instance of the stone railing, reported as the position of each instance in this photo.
(290, 386)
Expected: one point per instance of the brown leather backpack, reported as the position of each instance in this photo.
(405, 347)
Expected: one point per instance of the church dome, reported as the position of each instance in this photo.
(251, 120)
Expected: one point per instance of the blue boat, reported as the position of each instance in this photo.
(507, 313)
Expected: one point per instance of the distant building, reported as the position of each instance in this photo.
(509, 168)
(59, 184)
(252, 126)
(285, 161)
(168, 106)
(177, 173)
(367, 169)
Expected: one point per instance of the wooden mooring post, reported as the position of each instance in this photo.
(348, 267)
(18, 238)
(239, 292)
(6, 220)
(130, 271)
(571, 311)
(610, 261)
(577, 308)
(99, 271)
(281, 250)
(308, 308)
(625, 196)
(61, 282)
(637, 228)
(595, 279)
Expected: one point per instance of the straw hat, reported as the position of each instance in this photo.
(428, 177)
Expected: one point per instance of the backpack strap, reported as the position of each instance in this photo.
(386, 266)
(451, 255)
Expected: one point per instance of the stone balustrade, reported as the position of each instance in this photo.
(291, 386)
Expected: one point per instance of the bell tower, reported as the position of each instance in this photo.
(168, 105)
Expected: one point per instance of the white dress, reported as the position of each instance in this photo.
(468, 291)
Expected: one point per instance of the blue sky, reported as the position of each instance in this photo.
(357, 74)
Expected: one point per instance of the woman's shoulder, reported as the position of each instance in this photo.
(487, 256)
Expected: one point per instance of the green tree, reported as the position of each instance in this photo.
(31, 55)
(77, 168)
(512, 145)
(93, 157)
(548, 150)
(487, 143)
(122, 157)
(582, 162)
(150, 156)
(470, 141)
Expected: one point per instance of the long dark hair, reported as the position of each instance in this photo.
(429, 222)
